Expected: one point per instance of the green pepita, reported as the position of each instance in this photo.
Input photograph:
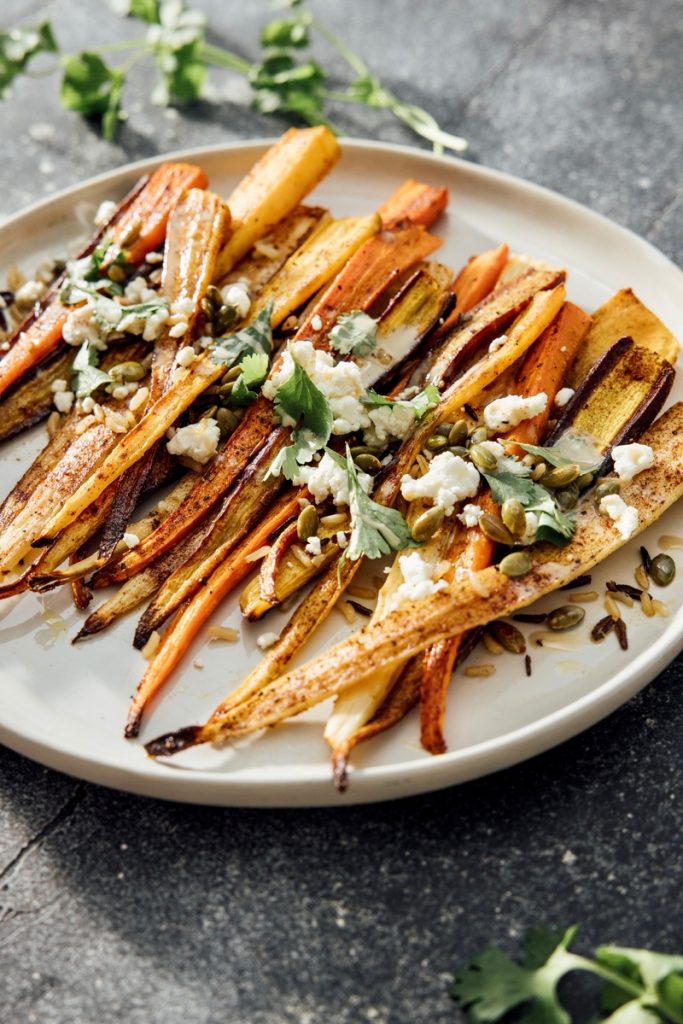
(227, 421)
(458, 449)
(436, 443)
(368, 463)
(444, 429)
(662, 570)
(512, 514)
(458, 433)
(127, 372)
(567, 497)
(478, 435)
(495, 529)
(231, 374)
(308, 522)
(584, 481)
(508, 636)
(517, 563)
(568, 616)
(561, 476)
(426, 525)
(483, 458)
(604, 488)
(116, 273)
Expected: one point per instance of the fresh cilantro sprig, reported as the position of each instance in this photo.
(87, 377)
(639, 986)
(376, 530)
(254, 339)
(299, 401)
(556, 455)
(284, 79)
(354, 333)
(420, 404)
(254, 369)
(553, 525)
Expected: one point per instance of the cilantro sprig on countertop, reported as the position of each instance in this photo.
(284, 80)
(639, 986)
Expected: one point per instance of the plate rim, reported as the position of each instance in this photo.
(386, 781)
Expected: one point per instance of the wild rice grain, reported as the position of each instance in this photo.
(479, 671)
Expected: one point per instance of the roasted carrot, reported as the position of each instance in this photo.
(137, 228)
(475, 281)
(182, 631)
(414, 202)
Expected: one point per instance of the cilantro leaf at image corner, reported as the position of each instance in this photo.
(92, 88)
(18, 47)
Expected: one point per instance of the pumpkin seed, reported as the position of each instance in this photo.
(512, 514)
(225, 318)
(116, 273)
(584, 481)
(231, 374)
(495, 529)
(208, 309)
(604, 488)
(127, 372)
(213, 295)
(561, 476)
(508, 636)
(458, 432)
(517, 563)
(368, 463)
(567, 497)
(478, 435)
(308, 522)
(226, 389)
(444, 429)
(361, 449)
(426, 524)
(662, 570)
(458, 449)
(568, 616)
(226, 420)
(436, 443)
(210, 411)
(483, 458)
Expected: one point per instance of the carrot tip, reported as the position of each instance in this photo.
(173, 742)
(133, 723)
(340, 773)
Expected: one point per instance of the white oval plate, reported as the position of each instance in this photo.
(65, 706)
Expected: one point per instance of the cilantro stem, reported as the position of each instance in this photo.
(222, 58)
(354, 62)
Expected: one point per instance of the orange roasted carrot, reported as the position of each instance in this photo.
(414, 202)
(146, 214)
(477, 278)
(543, 369)
(185, 627)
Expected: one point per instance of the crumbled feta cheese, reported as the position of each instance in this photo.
(631, 459)
(237, 295)
(341, 383)
(266, 640)
(529, 535)
(138, 291)
(419, 578)
(563, 396)
(80, 326)
(313, 546)
(470, 515)
(316, 323)
(58, 385)
(198, 440)
(154, 324)
(330, 479)
(138, 399)
(131, 540)
(504, 413)
(448, 480)
(87, 403)
(154, 257)
(64, 400)
(342, 540)
(182, 307)
(498, 343)
(29, 293)
(186, 356)
(179, 330)
(624, 516)
(389, 422)
(105, 211)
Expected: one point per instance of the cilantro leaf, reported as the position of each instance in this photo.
(376, 530)
(301, 401)
(256, 337)
(554, 455)
(291, 458)
(145, 10)
(18, 48)
(92, 88)
(420, 404)
(354, 333)
(86, 375)
(553, 525)
(254, 369)
(284, 32)
(280, 85)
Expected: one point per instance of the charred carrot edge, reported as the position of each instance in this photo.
(357, 286)
(195, 232)
(414, 202)
(476, 280)
(146, 214)
(543, 369)
(272, 562)
(184, 628)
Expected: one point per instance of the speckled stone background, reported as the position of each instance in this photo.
(115, 908)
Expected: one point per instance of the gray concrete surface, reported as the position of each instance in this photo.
(115, 908)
